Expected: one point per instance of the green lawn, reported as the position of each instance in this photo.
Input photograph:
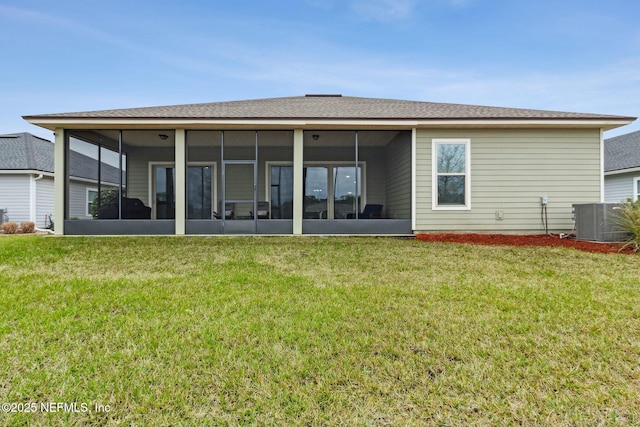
(316, 331)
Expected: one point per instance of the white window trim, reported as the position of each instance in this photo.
(152, 182)
(86, 205)
(434, 174)
(330, 190)
(636, 193)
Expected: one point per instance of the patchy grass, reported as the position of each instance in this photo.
(316, 331)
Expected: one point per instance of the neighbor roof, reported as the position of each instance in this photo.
(622, 152)
(27, 152)
(23, 151)
(325, 107)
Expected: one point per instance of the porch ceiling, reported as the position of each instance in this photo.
(212, 138)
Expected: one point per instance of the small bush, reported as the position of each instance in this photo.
(627, 218)
(9, 228)
(28, 227)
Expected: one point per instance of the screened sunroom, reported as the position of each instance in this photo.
(243, 182)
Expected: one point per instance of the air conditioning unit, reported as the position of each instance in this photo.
(596, 222)
(1, 216)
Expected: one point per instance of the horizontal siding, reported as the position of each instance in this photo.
(619, 188)
(44, 201)
(510, 171)
(138, 170)
(78, 199)
(398, 178)
(15, 191)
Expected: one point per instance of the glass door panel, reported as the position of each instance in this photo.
(316, 190)
(281, 192)
(346, 191)
(199, 190)
(165, 197)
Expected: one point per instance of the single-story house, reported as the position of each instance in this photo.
(331, 164)
(27, 180)
(622, 167)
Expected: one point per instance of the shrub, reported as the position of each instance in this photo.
(627, 218)
(106, 197)
(28, 227)
(9, 228)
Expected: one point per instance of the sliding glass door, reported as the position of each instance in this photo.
(200, 185)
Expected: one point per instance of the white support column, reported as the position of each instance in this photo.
(60, 185)
(181, 181)
(298, 178)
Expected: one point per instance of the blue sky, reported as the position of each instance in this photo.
(79, 55)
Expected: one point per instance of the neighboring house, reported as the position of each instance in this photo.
(622, 167)
(27, 180)
(312, 164)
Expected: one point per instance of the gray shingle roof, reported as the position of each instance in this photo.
(23, 151)
(326, 107)
(622, 152)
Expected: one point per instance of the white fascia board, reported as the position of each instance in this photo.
(25, 172)
(621, 171)
(53, 123)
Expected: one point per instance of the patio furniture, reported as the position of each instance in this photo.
(370, 211)
(228, 211)
(131, 209)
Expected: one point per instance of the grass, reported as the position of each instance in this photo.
(316, 331)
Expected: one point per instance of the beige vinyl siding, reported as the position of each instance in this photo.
(15, 191)
(138, 169)
(398, 178)
(510, 171)
(44, 201)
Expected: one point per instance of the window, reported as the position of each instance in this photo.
(331, 190)
(636, 188)
(92, 193)
(451, 180)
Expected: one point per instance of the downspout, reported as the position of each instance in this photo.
(33, 203)
(32, 196)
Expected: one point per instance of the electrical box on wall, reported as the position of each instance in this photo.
(544, 200)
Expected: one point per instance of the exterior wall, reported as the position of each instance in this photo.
(398, 178)
(510, 170)
(374, 157)
(15, 197)
(138, 169)
(78, 199)
(619, 187)
(44, 201)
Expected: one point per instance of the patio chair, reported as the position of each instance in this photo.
(228, 211)
(370, 211)
(263, 210)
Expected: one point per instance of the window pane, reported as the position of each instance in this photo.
(199, 192)
(282, 192)
(345, 191)
(91, 197)
(315, 192)
(451, 158)
(165, 194)
(451, 190)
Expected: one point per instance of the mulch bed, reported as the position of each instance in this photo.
(527, 240)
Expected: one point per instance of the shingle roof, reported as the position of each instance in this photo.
(622, 152)
(24, 151)
(326, 107)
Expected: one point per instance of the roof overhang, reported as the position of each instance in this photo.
(621, 171)
(52, 123)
